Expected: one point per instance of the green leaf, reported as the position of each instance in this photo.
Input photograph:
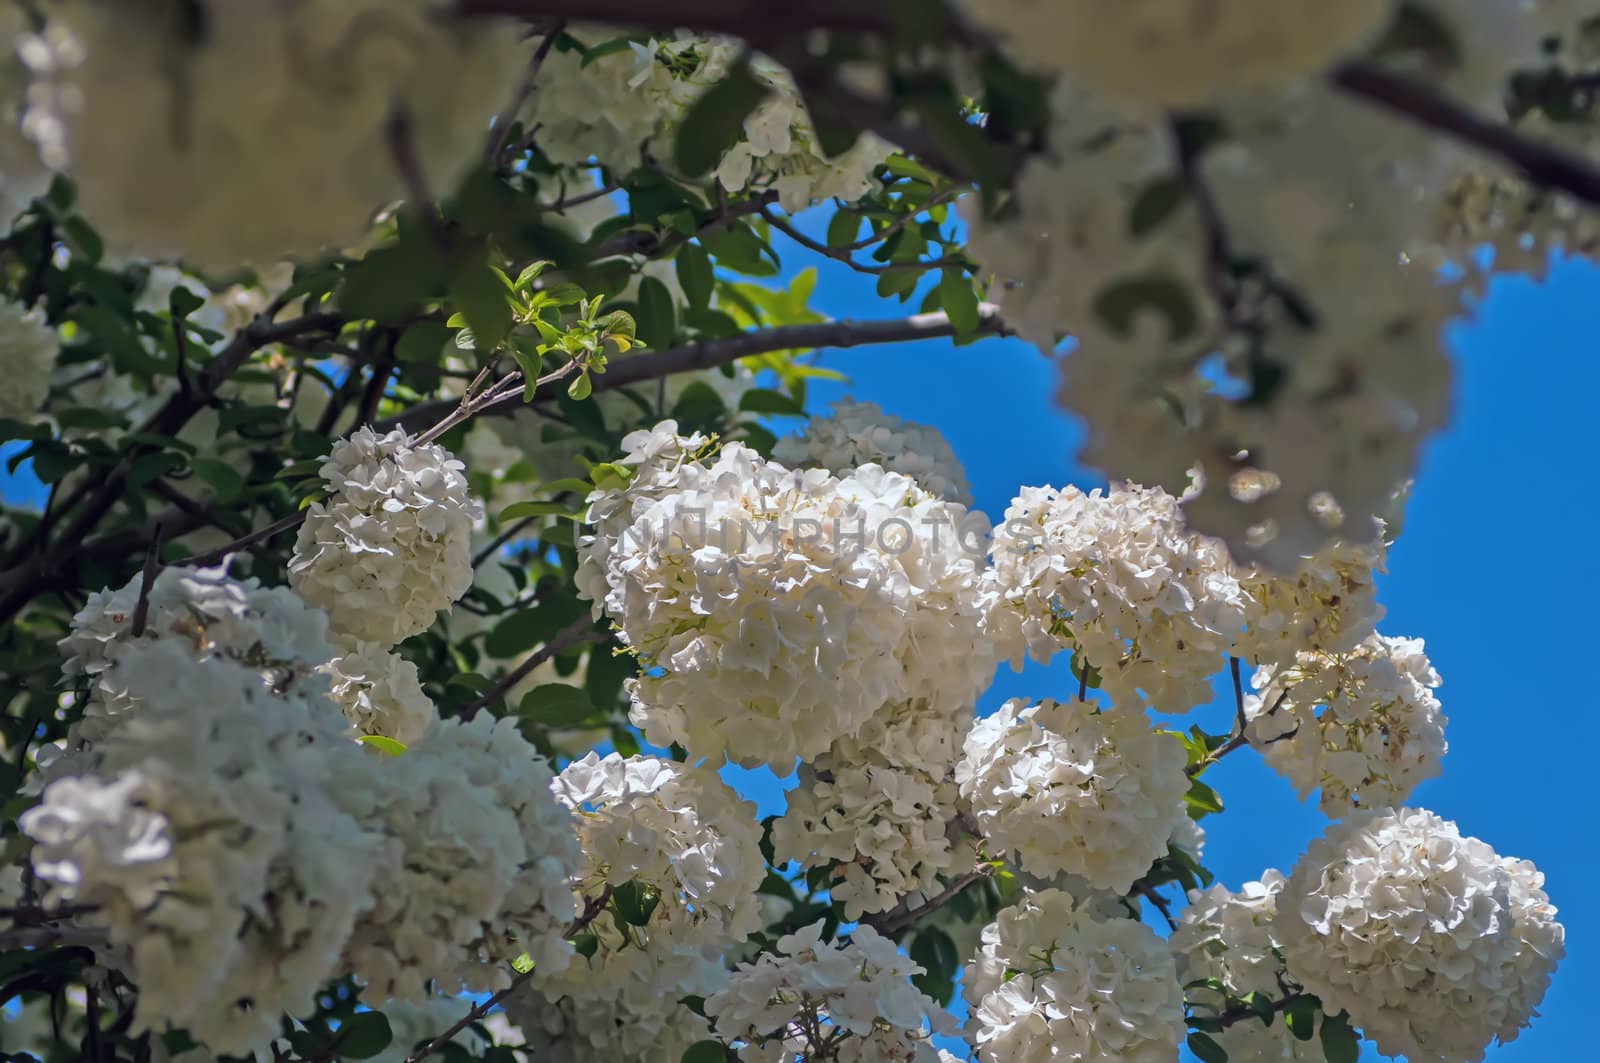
(706, 1052)
(527, 628)
(363, 1035)
(635, 903)
(183, 302)
(959, 299)
(386, 745)
(422, 342)
(1122, 302)
(224, 482)
(1300, 1015)
(715, 122)
(657, 322)
(1339, 1042)
(84, 243)
(607, 475)
(738, 248)
(1202, 799)
(556, 705)
(518, 510)
(843, 228)
(151, 467)
(581, 387)
(1205, 1049)
(481, 294)
(695, 275)
(764, 400)
(1155, 203)
(563, 486)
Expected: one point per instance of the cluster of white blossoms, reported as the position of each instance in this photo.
(1119, 577)
(1362, 726)
(1229, 936)
(747, 588)
(392, 544)
(683, 845)
(860, 433)
(28, 349)
(209, 106)
(1052, 982)
(480, 865)
(1327, 605)
(380, 693)
(849, 1000)
(1181, 53)
(209, 614)
(1068, 788)
(880, 807)
(635, 1021)
(617, 106)
(1433, 943)
(201, 832)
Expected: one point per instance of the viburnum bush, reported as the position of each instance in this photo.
(411, 550)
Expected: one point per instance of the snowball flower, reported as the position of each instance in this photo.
(1052, 982)
(392, 545)
(1229, 936)
(860, 433)
(691, 848)
(860, 987)
(637, 1020)
(1177, 53)
(747, 588)
(1096, 794)
(1119, 577)
(1328, 604)
(381, 693)
(216, 124)
(1433, 943)
(1362, 726)
(478, 866)
(28, 349)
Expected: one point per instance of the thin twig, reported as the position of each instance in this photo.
(152, 564)
(1238, 696)
(840, 255)
(575, 633)
(502, 125)
(494, 545)
(245, 542)
(1164, 906)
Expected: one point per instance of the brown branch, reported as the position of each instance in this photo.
(1543, 164)
(502, 125)
(841, 255)
(575, 633)
(1238, 695)
(1162, 905)
(891, 923)
(152, 564)
(245, 542)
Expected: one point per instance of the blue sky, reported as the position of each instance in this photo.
(1494, 570)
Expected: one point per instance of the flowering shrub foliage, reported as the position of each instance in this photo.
(405, 547)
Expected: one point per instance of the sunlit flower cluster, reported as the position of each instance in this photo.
(1362, 726)
(1052, 982)
(1433, 943)
(680, 845)
(747, 588)
(1119, 577)
(215, 120)
(380, 693)
(860, 433)
(1327, 605)
(28, 349)
(779, 1006)
(636, 1020)
(1071, 789)
(392, 544)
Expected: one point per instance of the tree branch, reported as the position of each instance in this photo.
(891, 923)
(1543, 164)
(579, 631)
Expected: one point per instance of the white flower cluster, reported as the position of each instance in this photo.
(209, 614)
(1327, 605)
(1052, 982)
(880, 806)
(1096, 794)
(214, 119)
(480, 864)
(201, 832)
(747, 589)
(1433, 943)
(1162, 53)
(614, 105)
(28, 349)
(1117, 575)
(1362, 726)
(689, 847)
(777, 1007)
(860, 433)
(636, 1021)
(1230, 936)
(392, 545)
(380, 693)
